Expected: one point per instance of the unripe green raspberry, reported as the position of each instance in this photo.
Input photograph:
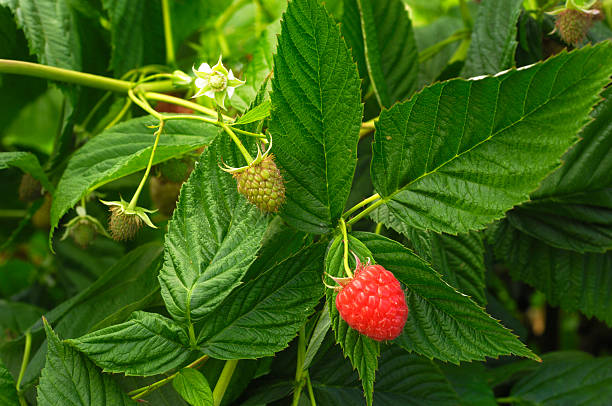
(83, 233)
(29, 189)
(164, 194)
(573, 25)
(262, 184)
(123, 226)
(41, 218)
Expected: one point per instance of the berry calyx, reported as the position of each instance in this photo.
(373, 302)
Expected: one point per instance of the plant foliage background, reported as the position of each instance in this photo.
(463, 145)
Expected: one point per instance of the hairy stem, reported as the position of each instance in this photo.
(224, 380)
(347, 269)
(168, 33)
(25, 359)
(182, 102)
(361, 204)
(311, 395)
(365, 212)
(145, 390)
(211, 121)
(301, 354)
(238, 143)
(79, 78)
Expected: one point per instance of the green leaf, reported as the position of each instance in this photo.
(137, 35)
(147, 344)
(121, 151)
(469, 380)
(70, 378)
(260, 112)
(569, 279)
(386, 39)
(362, 351)
(567, 378)
(474, 133)
(316, 339)
(212, 238)
(8, 392)
(316, 110)
(493, 38)
(458, 258)
(28, 163)
(572, 209)
(193, 387)
(50, 27)
(403, 379)
(442, 322)
(15, 318)
(262, 316)
(129, 285)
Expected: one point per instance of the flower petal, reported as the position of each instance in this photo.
(205, 68)
(200, 83)
(210, 93)
(230, 91)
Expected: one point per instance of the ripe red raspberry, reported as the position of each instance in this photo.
(373, 303)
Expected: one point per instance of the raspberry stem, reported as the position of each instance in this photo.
(224, 380)
(168, 33)
(347, 269)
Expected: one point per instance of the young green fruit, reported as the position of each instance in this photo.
(573, 26)
(41, 218)
(83, 233)
(123, 226)
(262, 184)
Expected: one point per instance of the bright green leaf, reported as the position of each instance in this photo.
(362, 351)
(386, 41)
(193, 387)
(262, 316)
(567, 378)
(569, 279)
(147, 344)
(121, 151)
(212, 238)
(28, 163)
(8, 392)
(258, 113)
(485, 150)
(316, 110)
(493, 38)
(442, 322)
(572, 209)
(69, 378)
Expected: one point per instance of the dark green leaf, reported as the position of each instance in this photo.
(493, 38)
(569, 279)
(130, 285)
(470, 382)
(193, 387)
(15, 318)
(442, 322)
(147, 344)
(50, 27)
(386, 41)
(316, 110)
(476, 133)
(262, 316)
(362, 351)
(316, 339)
(28, 163)
(123, 150)
(69, 378)
(459, 258)
(567, 378)
(212, 238)
(572, 209)
(8, 392)
(136, 33)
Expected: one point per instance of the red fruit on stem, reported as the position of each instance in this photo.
(373, 303)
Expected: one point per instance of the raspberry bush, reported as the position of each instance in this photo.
(276, 202)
